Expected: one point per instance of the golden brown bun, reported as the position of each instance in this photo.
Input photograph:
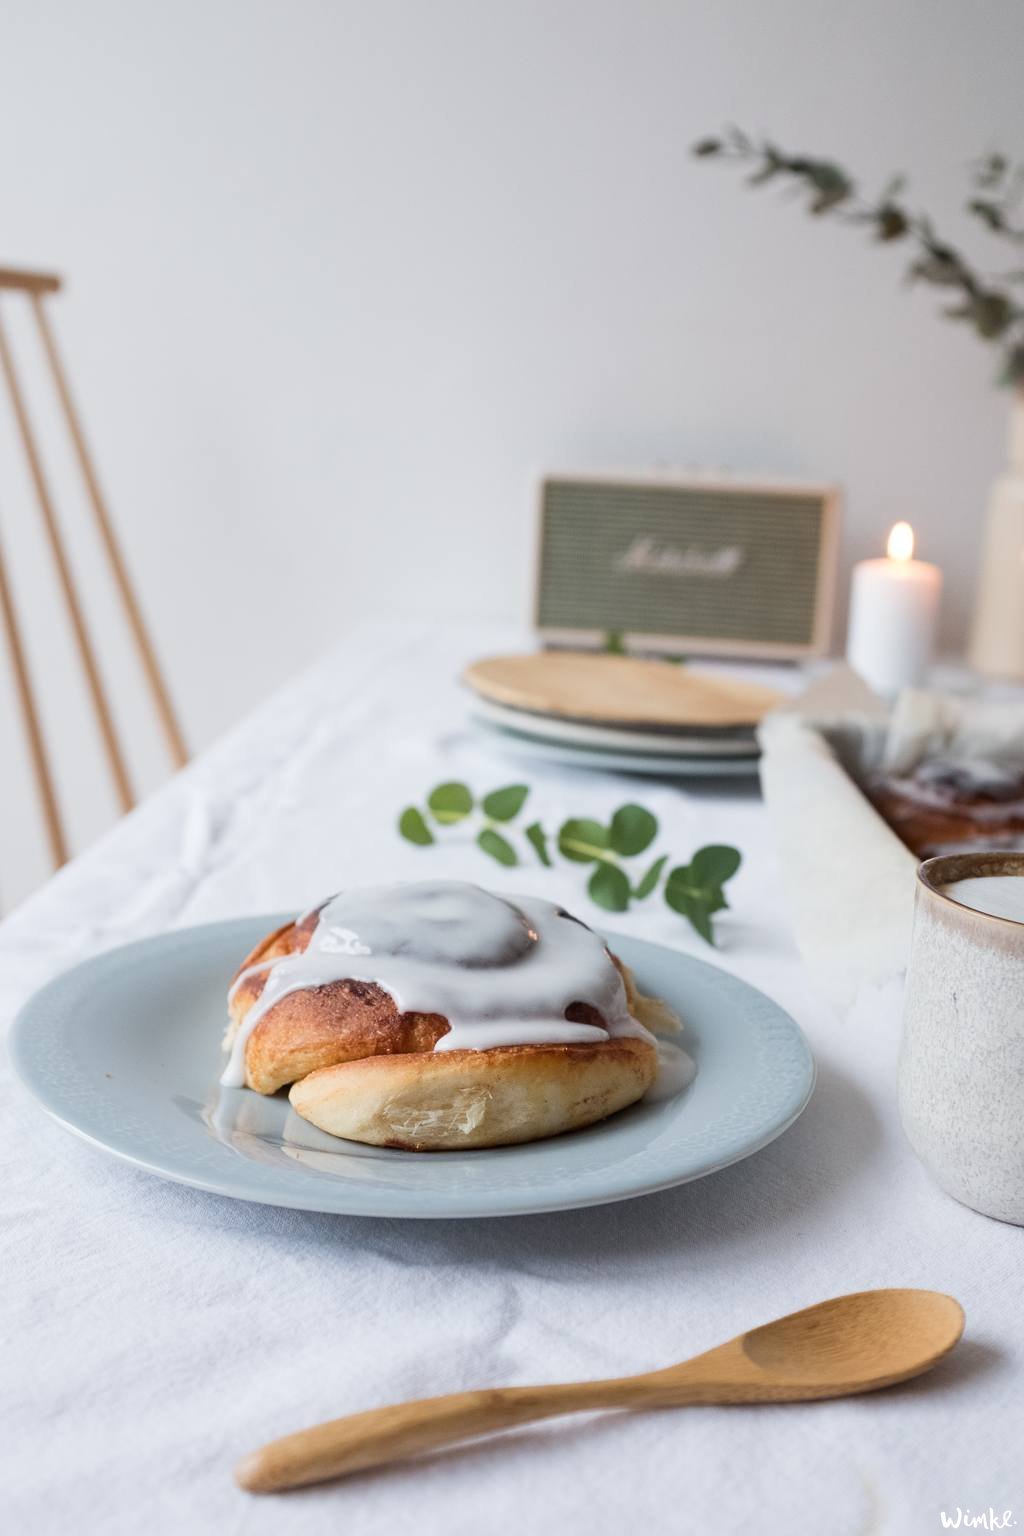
(363, 1070)
(444, 1100)
(320, 1026)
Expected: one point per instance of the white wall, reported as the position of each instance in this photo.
(344, 276)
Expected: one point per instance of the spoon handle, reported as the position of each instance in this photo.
(390, 1434)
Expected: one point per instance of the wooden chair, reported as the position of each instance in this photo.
(37, 288)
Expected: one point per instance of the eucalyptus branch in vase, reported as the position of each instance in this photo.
(989, 303)
(986, 303)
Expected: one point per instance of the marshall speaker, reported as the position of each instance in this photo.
(717, 567)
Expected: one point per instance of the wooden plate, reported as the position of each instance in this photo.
(578, 685)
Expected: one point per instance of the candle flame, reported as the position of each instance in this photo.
(901, 542)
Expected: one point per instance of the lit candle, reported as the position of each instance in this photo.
(893, 607)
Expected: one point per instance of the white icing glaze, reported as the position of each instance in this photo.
(676, 1071)
(502, 971)
(250, 970)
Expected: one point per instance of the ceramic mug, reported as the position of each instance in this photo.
(961, 1065)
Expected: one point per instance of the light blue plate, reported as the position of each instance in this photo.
(658, 765)
(124, 1050)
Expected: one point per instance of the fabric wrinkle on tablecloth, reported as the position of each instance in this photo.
(153, 1334)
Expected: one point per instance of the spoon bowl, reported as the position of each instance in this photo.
(876, 1337)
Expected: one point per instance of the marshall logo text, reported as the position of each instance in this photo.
(650, 559)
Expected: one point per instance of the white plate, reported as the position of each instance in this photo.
(617, 738)
(124, 1050)
(653, 765)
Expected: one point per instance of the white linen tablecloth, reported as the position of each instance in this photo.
(152, 1334)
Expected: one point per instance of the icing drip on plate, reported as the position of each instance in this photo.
(502, 971)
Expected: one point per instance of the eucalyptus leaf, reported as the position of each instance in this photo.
(1013, 366)
(632, 830)
(700, 917)
(990, 213)
(650, 880)
(582, 840)
(538, 840)
(891, 223)
(685, 895)
(608, 886)
(823, 201)
(498, 847)
(697, 913)
(939, 266)
(450, 803)
(681, 886)
(413, 828)
(505, 804)
(991, 313)
(715, 864)
(990, 170)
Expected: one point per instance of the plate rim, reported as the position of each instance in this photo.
(601, 760)
(309, 1200)
(586, 733)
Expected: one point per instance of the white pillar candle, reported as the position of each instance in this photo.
(893, 607)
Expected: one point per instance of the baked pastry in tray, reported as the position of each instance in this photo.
(437, 1015)
(947, 804)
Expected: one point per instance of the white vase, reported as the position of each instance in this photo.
(997, 633)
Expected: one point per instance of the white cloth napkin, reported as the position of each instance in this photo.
(849, 881)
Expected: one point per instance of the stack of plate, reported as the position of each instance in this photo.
(618, 712)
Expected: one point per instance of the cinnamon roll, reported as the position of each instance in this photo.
(953, 805)
(437, 1015)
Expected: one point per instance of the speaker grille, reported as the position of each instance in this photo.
(727, 563)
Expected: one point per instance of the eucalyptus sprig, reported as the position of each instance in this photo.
(614, 644)
(694, 890)
(451, 803)
(985, 303)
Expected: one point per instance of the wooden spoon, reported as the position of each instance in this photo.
(849, 1344)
